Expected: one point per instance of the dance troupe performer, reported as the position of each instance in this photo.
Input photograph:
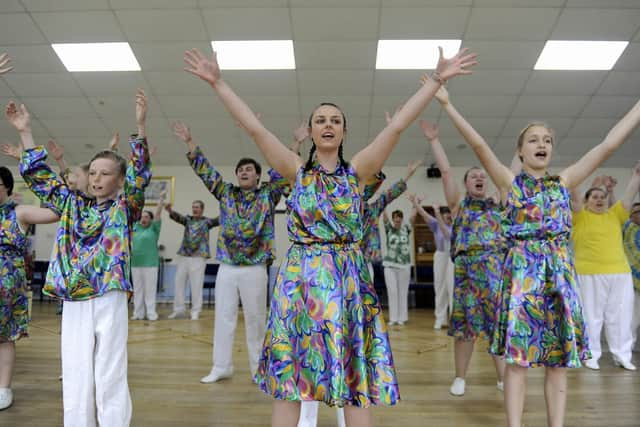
(244, 249)
(604, 276)
(193, 252)
(90, 269)
(631, 237)
(326, 339)
(477, 250)
(539, 317)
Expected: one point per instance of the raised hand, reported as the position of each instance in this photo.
(4, 63)
(114, 143)
(181, 131)
(610, 183)
(301, 133)
(141, 107)
(56, 151)
(152, 150)
(198, 65)
(412, 167)
(430, 130)
(167, 207)
(388, 117)
(18, 117)
(456, 65)
(11, 150)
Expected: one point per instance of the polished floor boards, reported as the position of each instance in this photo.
(168, 357)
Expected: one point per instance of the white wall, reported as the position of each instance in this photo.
(189, 187)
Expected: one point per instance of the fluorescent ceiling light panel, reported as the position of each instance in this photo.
(579, 55)
(97, 56)
(413, 54)
(255, 54)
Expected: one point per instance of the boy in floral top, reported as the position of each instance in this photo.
(244, 249)
(90, 269)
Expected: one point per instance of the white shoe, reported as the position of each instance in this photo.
(216, 375)
(195, 316)
(152, 317)
(136, 318)
(591, 364)
(500, 386)
(401, 323)
(437, 325)
(457, 387)
(390, 323)
(624, 365)
(6, 398)
(176, 315)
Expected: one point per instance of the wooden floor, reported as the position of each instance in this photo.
(167, 358)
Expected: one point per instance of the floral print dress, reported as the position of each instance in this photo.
(326, 338)
(539, 319)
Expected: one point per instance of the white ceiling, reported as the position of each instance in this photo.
(335, 47)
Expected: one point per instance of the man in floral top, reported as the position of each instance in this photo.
(194, 252)
(244, 249)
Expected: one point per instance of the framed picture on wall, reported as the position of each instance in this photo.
(22, 195)
(155, 188)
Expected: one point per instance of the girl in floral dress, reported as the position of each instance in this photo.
(326, 339)
(539, 317)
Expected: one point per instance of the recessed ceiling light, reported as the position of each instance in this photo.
(580, 55)
(413, 54)
(97, 56)
(255, 54)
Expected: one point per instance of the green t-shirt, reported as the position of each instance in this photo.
(144, 247)
(398, 245)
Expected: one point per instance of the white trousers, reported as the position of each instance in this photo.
(145, 280)
(442, 286)
(608, 299)
(309, 414)
(192, 269)
(249, 283)
(397, 282)
(635, 324)
(94, 362)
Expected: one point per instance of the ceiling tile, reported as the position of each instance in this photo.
(262, 83)
(278, 105)
(248, 24)
(11, 6)
(485, 105)
(423, 3)
(591, 127)
(491, 82)
(76, 5)
(156, 127)
(559, 106)
(609, 106)
(596, 24)
(621, 83)
(19, 28)
(335, 55)
(43, 84)
(206, 105)
(123, 106)
(154, 4)
(351, 106)
(576, 146)
(630, 58)
(162, 25)
(5, 90)
(505, 55)
(79, 27)
(514, 126)
(388, 103)
(564, 82)
(34, 59)
(485, 126)
(512, 24)
(624, 4)
(166, 56)
(396, 82)
(206, 4)
(518, 3)
(423, 23)
(59, 107)
(335, 82)
(64, 127)
(111, 83)
(327, 24)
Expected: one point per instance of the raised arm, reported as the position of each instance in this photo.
(138, 172)
(441, 224)
(501, 176)
(277, 154)
(57, 152)
(632, 189)
(177, 217)
(451, 190)
(114, 142)
(370, 160)
(5, 60)
(300, 135)
(610, 184)
(415, 202)
(28, 215)
(575, 174)
(158, 212)
(183, 133)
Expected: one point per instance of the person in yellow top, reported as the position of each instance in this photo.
(604, 276)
